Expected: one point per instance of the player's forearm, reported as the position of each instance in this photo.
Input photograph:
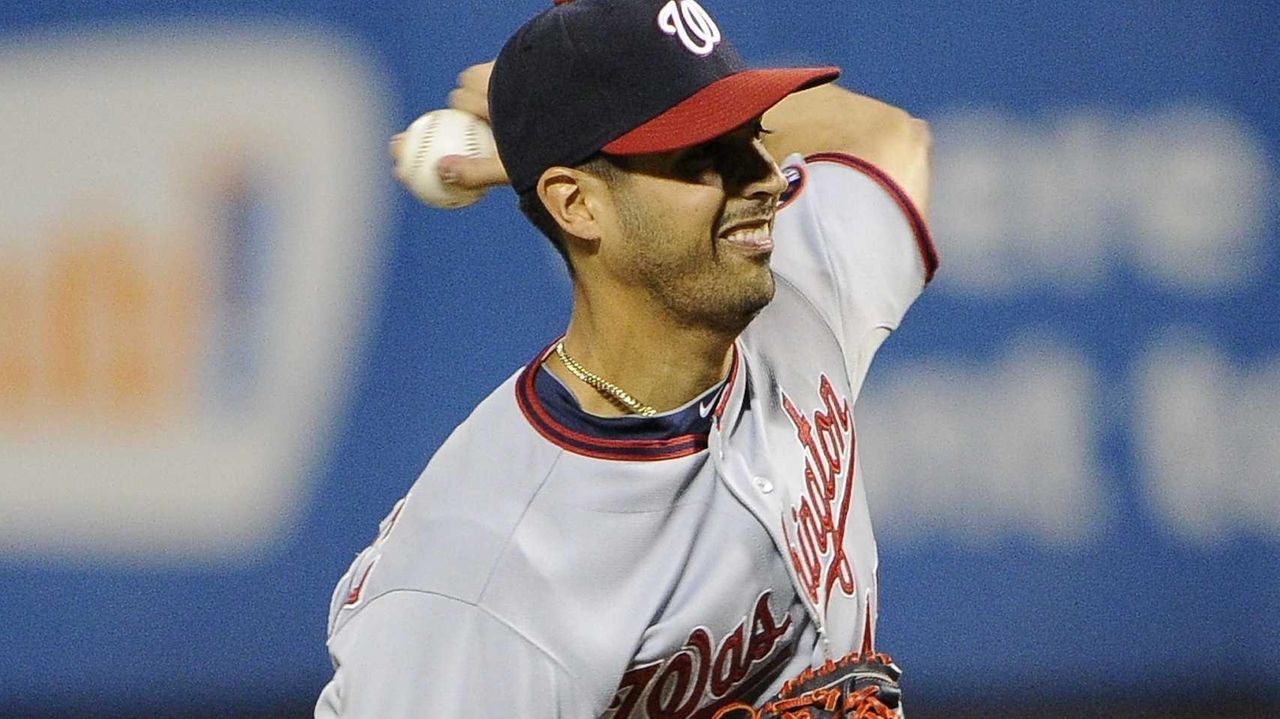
(832, 119)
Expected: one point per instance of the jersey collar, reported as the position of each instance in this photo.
(553, 411)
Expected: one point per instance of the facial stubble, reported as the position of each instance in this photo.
(698, 283)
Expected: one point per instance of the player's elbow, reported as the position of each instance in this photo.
(905, 155)
(893, 140)
(906, 137)
(900, 141)
(918, 145)
(919, 136)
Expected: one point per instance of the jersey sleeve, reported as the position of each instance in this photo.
(410, 654)
(850, 240)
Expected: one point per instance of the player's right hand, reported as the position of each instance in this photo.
(471, 95)
(472, 92)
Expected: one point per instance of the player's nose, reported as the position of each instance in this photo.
(756, 174)
(775, 183)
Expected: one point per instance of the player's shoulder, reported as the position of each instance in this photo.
(495, 444)
(449, 531)
(841, 209)
(474, 490)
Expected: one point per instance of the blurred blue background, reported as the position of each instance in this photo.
(230, 343)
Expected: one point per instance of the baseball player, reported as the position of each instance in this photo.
(663, 514)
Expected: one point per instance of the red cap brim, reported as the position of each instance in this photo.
(722, 106)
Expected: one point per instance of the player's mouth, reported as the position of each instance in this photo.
(752, 237)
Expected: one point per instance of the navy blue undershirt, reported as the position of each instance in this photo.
(689, 419)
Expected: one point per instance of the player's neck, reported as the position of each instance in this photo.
(661, 363)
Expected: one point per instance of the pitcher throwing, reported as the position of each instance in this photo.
(663, 514)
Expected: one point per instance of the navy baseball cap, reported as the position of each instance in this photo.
(626, 77)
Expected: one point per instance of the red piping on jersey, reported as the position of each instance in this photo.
(537, 408)
(357, 591)
(928, 253)
(642, 450)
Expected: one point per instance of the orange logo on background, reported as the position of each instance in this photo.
(96, 330)
(167, 376)
(109, 327)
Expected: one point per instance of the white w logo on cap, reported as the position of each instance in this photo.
(688, 21)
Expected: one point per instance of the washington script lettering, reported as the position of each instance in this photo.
(815, 528)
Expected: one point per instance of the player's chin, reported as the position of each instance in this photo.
(755, 287)
(735, 307)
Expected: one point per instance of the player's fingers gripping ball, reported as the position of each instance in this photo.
(856, 687)
(435, 135)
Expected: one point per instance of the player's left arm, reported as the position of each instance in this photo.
(852, 236)
(830, 118)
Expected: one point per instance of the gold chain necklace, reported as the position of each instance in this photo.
(603, 385)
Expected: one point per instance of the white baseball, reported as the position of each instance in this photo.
(432, 136)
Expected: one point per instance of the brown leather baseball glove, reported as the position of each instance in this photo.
(855, 687)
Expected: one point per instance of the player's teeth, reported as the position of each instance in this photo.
(753, 235)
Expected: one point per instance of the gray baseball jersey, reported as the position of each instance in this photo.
(551, 563)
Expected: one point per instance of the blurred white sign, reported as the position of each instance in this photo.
(979, 453)
(1180, 202)
(1010, 448)
(1210, 440)
(189, 220)
(1182, 197)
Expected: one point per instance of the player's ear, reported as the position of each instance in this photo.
(573, 200)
